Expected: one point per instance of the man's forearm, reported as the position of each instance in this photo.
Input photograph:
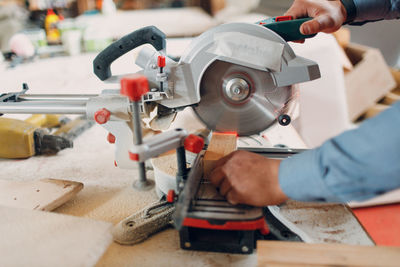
(355, 165)
(371, 10)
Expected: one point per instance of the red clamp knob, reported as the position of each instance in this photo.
(194, 143)
(134, 87)
(111, 138)
(161, 61)
(102, 116)
(283, 18)
(134, 156)
(171, 196)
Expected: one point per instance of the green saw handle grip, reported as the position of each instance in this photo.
(286, 27)
(147, 35)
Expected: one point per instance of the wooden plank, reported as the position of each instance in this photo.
(278, 253)
(221, 145)
(47, 239)
(44, 194)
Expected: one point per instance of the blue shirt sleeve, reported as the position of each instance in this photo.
(370, 10)
(355, 165)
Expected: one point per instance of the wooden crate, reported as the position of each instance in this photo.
(368, 82)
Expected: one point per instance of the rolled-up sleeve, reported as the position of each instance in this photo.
(370, 10)
(355, 165)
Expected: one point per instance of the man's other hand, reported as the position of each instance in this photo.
(248, 178)
(328, 16)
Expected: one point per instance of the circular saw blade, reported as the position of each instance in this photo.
(248, 115)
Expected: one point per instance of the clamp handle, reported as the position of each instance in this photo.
(287, 27)
(193, 143)
(147, 35)
(134, 87)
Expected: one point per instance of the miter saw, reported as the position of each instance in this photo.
(237, 77)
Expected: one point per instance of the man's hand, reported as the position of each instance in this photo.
(328, 15)
(248, 178)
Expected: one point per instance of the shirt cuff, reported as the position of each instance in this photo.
(372, 10)
(351, 10)
(300, 178)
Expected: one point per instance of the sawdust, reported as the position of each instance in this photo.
(328, 220)
(166, 163)
(108, 204)
(335, 231)
(308, 205)
(330, 240)
(324, 215)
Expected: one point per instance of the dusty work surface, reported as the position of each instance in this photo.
(108, 194)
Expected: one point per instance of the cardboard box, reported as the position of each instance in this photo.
(368, 82)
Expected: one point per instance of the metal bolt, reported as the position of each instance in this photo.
(245, 249)
(187, 245)
(236, 89)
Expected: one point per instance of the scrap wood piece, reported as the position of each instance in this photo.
(44, 194)
(47, 239)
(221, 145)
(281, 253)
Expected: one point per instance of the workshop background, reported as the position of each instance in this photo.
(50, 45)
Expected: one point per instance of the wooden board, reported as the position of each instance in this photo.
(278, 253)
(221, 145)
(44, 194)
(46, 239)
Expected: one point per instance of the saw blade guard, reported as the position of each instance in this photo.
(241, 77)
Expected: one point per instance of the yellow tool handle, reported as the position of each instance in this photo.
(16, 139)
(45, 120)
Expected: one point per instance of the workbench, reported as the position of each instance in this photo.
(108, 194)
